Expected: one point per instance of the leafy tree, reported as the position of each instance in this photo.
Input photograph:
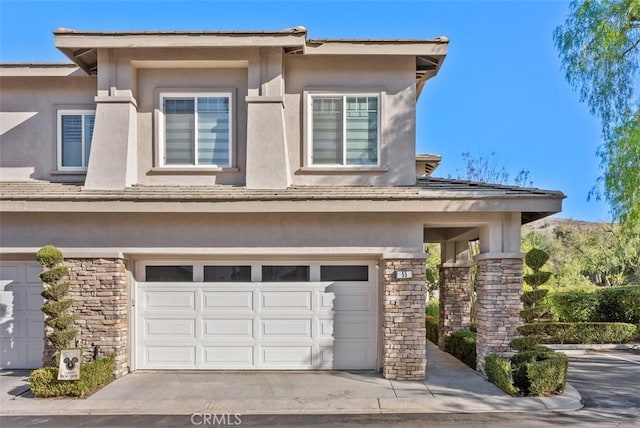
(532, 300)
(599, 46)
(485, 169)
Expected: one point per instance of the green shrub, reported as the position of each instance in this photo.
(526, 343)
(433, 308)
(574, 306)
(462, 345)
(431, 325)
(619, 304)
(592, 332)
(536, 258)
(93, 376)
(548, 376)
(49, 256)
(498, 372)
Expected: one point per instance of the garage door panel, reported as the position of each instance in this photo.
(170, 356)
(287, 356)
(11, 273)
(22, 332)
(34, 300)
(286, 300)
(352, 327)
(32, 274)
(286, 328)
(35, 326)
(182, 328)
(227, 300)
(168, 300)
(220, 328)
(353, 299)
(326, 328)
(352, 355)
(237, 357)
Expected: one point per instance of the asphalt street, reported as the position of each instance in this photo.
(609, 383)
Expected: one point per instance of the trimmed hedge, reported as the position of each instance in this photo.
(462, 345)
(611, 304)
(583, 332)
(538, 372)
(93, 376)
(431, 325)
(498, 372)
(574, 306)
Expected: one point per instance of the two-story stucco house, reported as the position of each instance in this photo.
(244, 200)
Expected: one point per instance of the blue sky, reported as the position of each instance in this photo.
(500, 89)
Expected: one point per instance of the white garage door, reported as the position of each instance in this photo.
(280, 320)
(21, 321)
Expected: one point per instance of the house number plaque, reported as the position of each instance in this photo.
(404, 274)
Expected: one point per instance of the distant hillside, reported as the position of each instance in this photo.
(546, 226)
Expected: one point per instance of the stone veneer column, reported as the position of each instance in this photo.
(498, 304)
(404, 334)
(455, 299)
(99, 293)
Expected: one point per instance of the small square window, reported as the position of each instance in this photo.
(169, 273)
(227, 273)
(344, 273)
(285, 273)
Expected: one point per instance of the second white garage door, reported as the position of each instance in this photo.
(295, 323)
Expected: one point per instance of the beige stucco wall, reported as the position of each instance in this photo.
(28, 108)
(205, 231)
(394, 76)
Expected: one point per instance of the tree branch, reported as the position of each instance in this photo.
(632, 47)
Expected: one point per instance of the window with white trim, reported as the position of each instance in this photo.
(344, 130)
(196, 130)
(75, 130)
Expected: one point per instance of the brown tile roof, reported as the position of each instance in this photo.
(426, 188)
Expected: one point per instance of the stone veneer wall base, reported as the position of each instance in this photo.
(404, 333)
(498, 305)
(99, 293)
(455, 300)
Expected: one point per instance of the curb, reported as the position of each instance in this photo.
(594, 347)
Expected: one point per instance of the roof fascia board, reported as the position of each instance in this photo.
(80, 40)
(518, 204)
(44, 70)
(379, 47)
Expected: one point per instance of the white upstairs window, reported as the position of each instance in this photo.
(196, 130)
(344, 130)
(75, 130)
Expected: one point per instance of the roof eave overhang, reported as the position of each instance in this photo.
(532, 207)
(82, 47)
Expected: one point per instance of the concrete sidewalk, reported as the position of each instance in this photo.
(450, 387)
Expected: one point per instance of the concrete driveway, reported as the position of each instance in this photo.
(450, 386)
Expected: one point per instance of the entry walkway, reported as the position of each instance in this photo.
(450, 387)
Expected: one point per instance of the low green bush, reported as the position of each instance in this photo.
(526, 343)
(618, 304)
(433, 308)
(574, 306)
(587, 332)
(93, 376)
(431, 325)
(547, 376)
(498, 372)
(462, 345)
(610, 304)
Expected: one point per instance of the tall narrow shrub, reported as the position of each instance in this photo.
(533, 308)
(59, 320)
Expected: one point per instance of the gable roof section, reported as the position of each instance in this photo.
(430, 194)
